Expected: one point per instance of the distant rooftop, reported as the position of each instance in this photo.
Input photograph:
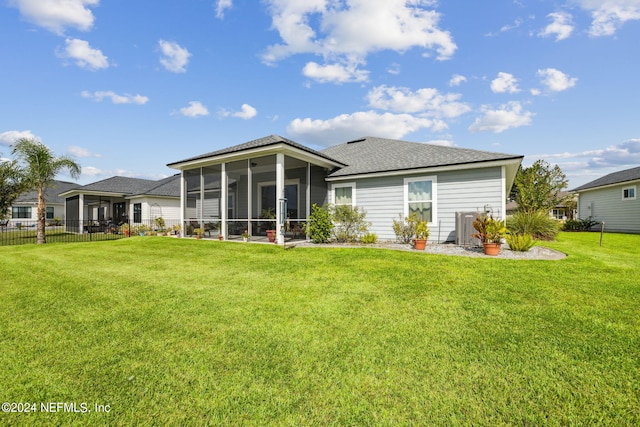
(613, 178)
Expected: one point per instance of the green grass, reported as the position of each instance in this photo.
(185, 332)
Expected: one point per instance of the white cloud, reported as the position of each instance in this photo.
(626, 153)
(561, 26)
(348, 126)
(505, 82)
(441, 142)
(609, 15)
(174, 57)
(556, 80)
(247, 112)
(506, 28)
(394, 69)
(195, 109)
(326, 28)
(81, 152)
(84, 55)
(11, 136)
(56, 15)
(457, 80)
(508, 116)
(427, 102)
(115, 98)
(221, 6)
(335, 73)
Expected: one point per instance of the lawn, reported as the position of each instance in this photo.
(163, 331)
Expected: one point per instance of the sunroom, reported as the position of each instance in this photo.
(260, 188)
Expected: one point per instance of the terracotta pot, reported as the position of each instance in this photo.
(271, 234)
(491, 249)
(419, 244)
(220, 237)
(198, 236)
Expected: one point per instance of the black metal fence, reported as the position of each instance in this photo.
(17, 232)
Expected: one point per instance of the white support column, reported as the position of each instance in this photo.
(249, 196)
(183, 204)
(308, 190)
(279, 194)
(223, 201)
(81, 213)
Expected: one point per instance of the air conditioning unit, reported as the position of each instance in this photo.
(465, 230)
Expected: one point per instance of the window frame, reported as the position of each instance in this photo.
(21, 210)
(632, 188)
(434, 196)
(351, 185)
(137, 213)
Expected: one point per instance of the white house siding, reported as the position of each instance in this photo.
(153, 207)
(58, 212)
(606, 204)
(470, 190)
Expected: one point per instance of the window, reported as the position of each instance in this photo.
(344, 194)
(21, 212)
(137, 212)
(629, 193)
(420, 197)
(49, 212)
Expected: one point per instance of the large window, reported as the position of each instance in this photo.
(137, 212)
(629, 193)
(21, 212)
(344, 194)
(420, 197)
(49, 213)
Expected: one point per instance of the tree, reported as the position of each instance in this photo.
(10, 186)
(537, 188)
(39, 168)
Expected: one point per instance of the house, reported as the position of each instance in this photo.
(563, 211)
(119, 199)
(241, 187)
(612, 199)
(25, 208)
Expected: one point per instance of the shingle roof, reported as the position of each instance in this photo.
(256, 143)
(51, 193)
(613, 178)
(372, 154)
(135, 186)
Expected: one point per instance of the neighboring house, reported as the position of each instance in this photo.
(612, 199)
(240, 186)
(120, 199)
(562, 211)
(25, 207)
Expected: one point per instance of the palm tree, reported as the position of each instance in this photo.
(40, 168)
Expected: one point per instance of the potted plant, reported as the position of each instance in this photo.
(422, 234)
(176, 229)
(198, 232)
(245, 235)
(143, 229)
(159, 221)
(124, 229)
(490, 231)
(270, 214)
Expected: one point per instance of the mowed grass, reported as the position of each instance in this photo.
(184, 332)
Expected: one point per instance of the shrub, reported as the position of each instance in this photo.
(519, 242)
(319, 226)
(539, 224)
(579, 224)
(405, 228)
(348, 223)
(369, 238)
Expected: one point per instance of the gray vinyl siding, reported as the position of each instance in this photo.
(470, 190)
(606, 204)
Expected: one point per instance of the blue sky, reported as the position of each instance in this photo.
(127, 87)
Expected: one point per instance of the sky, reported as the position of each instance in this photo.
(125, 87)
